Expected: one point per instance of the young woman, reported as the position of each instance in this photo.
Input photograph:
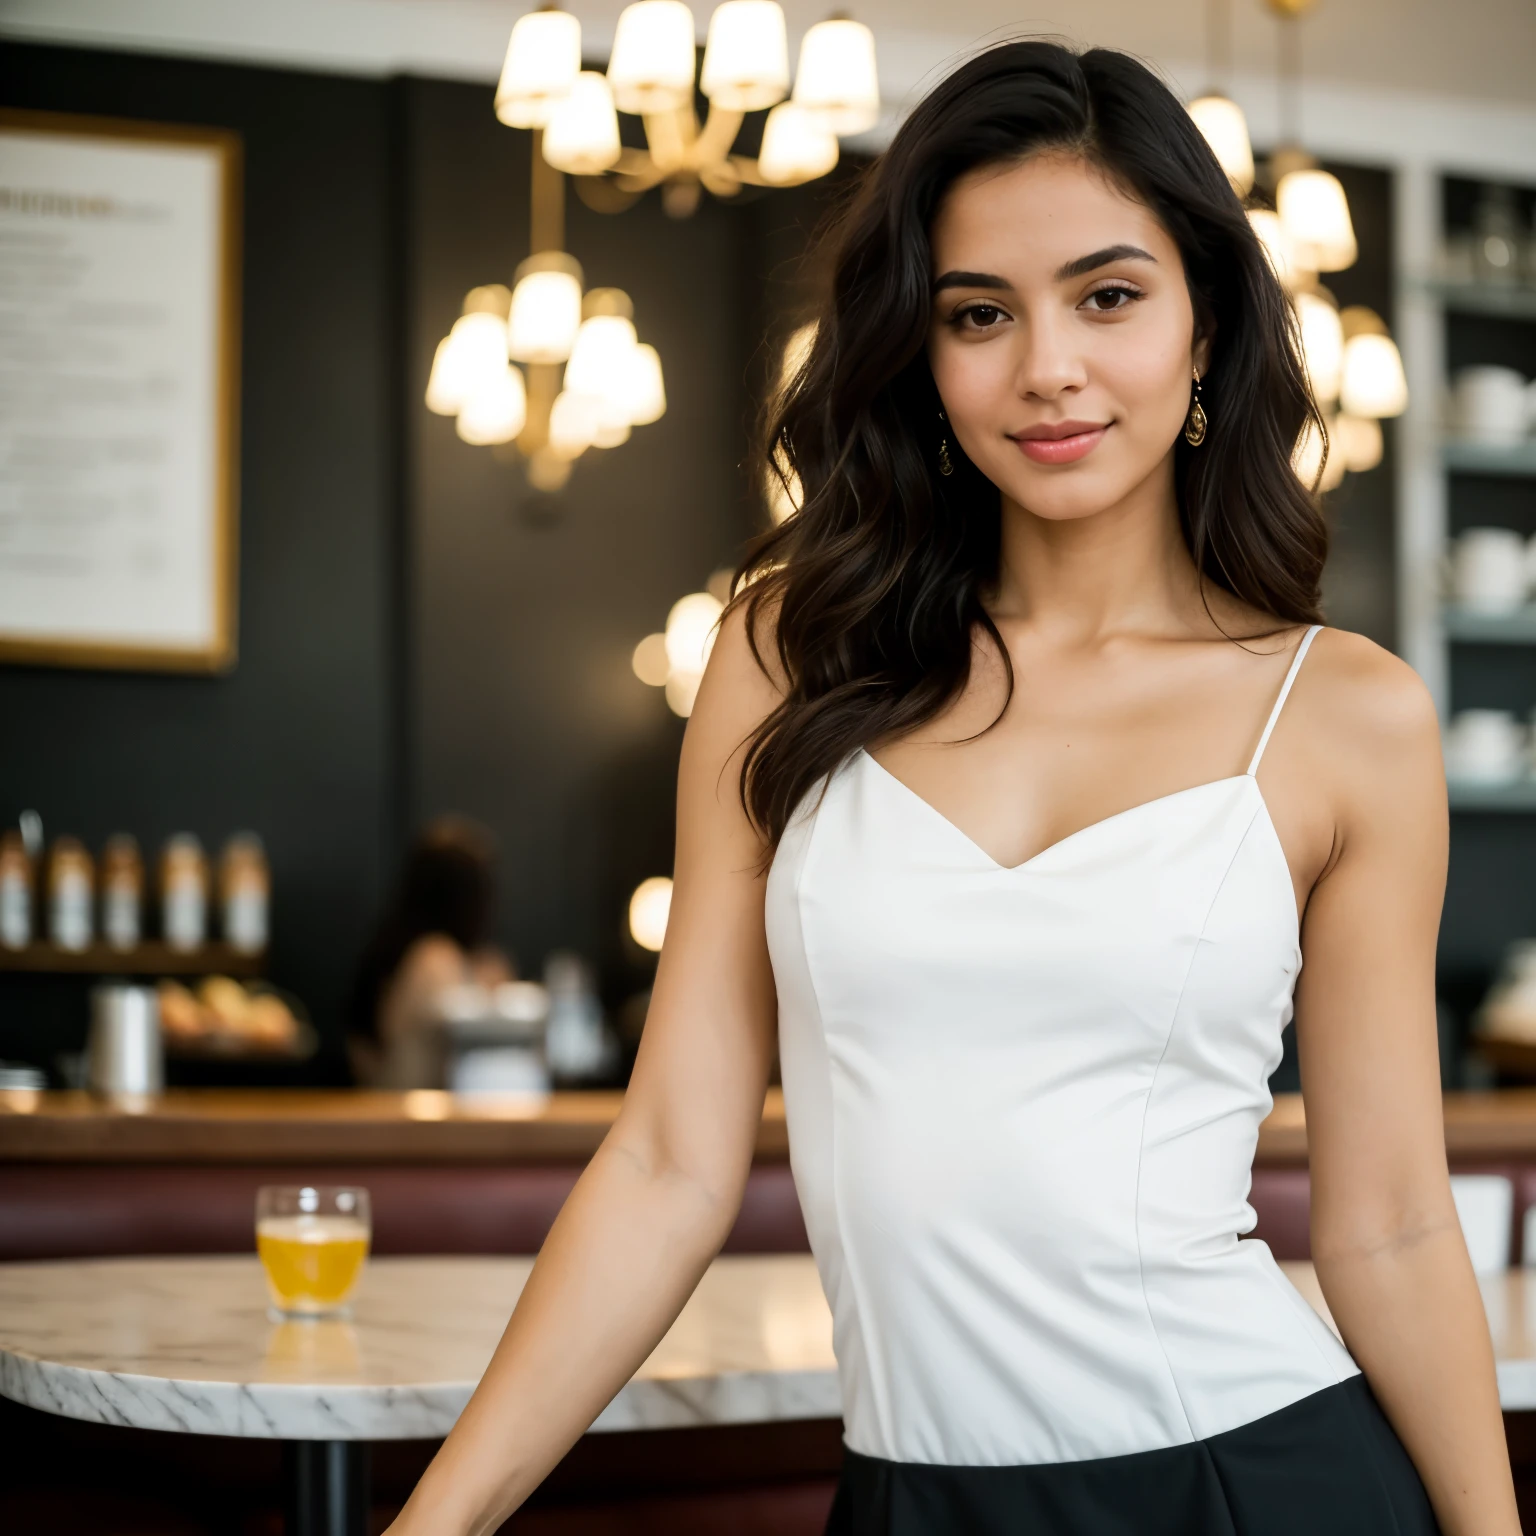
(1020, 784)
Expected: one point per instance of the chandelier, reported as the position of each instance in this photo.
(651, 74)
(1353, 365)
(585, 380)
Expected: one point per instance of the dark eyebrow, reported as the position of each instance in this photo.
(969, 280)
(1075, 268)
(1085, 264)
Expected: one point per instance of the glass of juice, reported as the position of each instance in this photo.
(312, 1240)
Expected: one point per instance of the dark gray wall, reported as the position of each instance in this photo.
(297, 741)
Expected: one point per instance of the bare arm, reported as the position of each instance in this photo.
(660, 1195)
(1385, 1238)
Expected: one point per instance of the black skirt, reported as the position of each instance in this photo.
(1328, 1465)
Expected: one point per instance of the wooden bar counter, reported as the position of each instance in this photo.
(267, 1126)
(231, 1126)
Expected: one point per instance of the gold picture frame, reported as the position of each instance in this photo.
(214, 647)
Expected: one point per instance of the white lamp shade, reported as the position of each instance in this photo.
(573, 423)
(651, 67)
(473, 353)
(691, 631)
(746, 56)
(543, 60)
(1373, 384)
(649, 909)
(1357, 441)
(795, 148)
(1278, 248)
(443, 394)
(602, 346)
(1315, 213)
(582, 137)
(649, 661)
(836, 80)
(612, 430)
(1322, 346)
(545, 316)
(1221, 121)
(496, 411)
(640, 387)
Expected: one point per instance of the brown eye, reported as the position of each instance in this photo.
(977, 311)
(1107, 300)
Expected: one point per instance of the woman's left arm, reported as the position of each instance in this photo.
(1386, 1242)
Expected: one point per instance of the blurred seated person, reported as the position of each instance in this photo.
(433, 937)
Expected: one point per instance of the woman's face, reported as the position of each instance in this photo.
(1062, 334)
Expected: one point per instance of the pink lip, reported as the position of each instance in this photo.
(1061, 442)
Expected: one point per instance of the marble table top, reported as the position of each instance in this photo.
(186, 1344)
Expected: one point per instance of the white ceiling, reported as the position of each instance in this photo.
(1478, 49)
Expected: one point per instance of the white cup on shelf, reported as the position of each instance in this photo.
(1489, 570)
(1489, 406)
(1484, 746)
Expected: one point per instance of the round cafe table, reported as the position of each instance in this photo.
(185, 1344)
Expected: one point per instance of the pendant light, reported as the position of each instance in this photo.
(545, 310)
(796, 147)
(542, 62)
(835, 80)
(746, 56)
(651, 67)
(582, 138)
(1216, 115)
(1315, 213)
(1373, 384)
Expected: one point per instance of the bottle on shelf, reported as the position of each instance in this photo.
(245, 893)
(71, 896)
(183, 893)
(16, 891)
(1497, 239)
(122, 892)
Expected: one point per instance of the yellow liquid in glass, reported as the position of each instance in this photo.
(312, 1262)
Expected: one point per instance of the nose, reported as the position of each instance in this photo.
(1049, 363)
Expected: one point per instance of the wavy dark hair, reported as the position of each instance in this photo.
(875, 583)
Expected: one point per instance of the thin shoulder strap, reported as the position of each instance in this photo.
(1285, 688)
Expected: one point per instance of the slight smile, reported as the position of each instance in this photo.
(1061, 442)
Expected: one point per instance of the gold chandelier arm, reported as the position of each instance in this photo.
(671, 136)
(637, 172)
(543, 386)
(713, 145)
(721, 178)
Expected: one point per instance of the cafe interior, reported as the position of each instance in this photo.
(387, 370)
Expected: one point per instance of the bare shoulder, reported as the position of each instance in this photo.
(1371, 739)
(744, 681)
(1362, 698)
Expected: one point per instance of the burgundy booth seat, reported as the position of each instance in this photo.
(49, 1211)
(53, 1211)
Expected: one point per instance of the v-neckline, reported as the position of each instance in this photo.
(1060, 842)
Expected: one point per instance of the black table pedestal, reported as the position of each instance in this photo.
(325, 1487)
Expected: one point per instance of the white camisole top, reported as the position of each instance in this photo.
(1023, 1105)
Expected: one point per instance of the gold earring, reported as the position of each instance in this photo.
(1195, 422)
(945, 467)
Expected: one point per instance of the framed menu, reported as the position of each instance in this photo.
(119, 373)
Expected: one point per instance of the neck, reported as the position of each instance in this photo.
(1081, 579)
